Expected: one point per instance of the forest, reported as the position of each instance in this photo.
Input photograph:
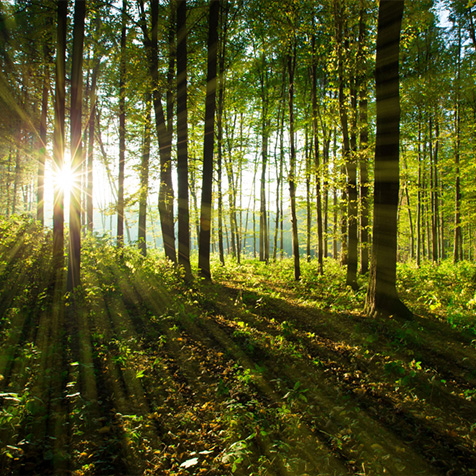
(237, 237)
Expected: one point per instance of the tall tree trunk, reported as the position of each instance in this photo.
(122, 128)
(352, 251)
(263, 226)
(164, 129)
(458, 237)
(279, 170)
(291, 61)
(433, 204)
(280, 167)
(58, 137)
(363, 145)
(232, 185)
(410, 218)
(364, 183)
(436, 201)
(144, 178)
(219, 119)
(207, 180)
(16, 183)
(91, 136)
(325, 191)
(182, 142)
(40, 208)
(307, 156)
(349, 227)
(164, 133)
(419, 206)
(334, 198)
(320, 248)
(77, 158)
(263, 222)
(382, 298)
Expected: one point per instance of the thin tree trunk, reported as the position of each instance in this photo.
(40, 209)
(219, 119)
(349, 225)
(207, 181)
(279, 169)
(232, 186)
(334, 193)
(144, 178)
(291, 60)
(320, 248)
(122, 128)
(77, 158)
(263, 226)
(352, 252)
(307, 156)
(419, 205)
(164, 129)
(325, 190)
(363, 146)
(458, 238)
(182, 142)
(436, 190)
(91, 134)
(16, 182)
(364, 184)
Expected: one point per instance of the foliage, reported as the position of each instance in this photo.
(254, 374)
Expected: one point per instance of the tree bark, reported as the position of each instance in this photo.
(207, 179)
(263, 222)
(122, 128)
(144, 178)
(40, 209)
(74, 263)
(58, 137)
(91, 136)
(164, 129)
(458, 236)
(349, 226)
(363, 146)
(182, 142)
(291, 61)
(320, 247)
(382, 298)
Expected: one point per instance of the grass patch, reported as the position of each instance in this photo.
(254, 374)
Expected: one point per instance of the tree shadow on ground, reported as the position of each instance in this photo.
(142, 377)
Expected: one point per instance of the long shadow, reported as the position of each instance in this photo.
(234, 381)
(338, 342)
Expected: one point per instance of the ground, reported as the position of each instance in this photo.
(253, 374)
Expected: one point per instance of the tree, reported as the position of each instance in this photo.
(291, 63)
(208, 143)
(40, 215)
(58, 137)
(382, 298)
(74, 262)
(144, 177)
(163, 128)
(182, 141)
(92, 129)
(320, 249)
(122, 127)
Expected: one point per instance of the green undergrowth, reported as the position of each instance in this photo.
(445, 290)
(138, 372)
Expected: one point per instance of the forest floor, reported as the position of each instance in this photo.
(254, 374)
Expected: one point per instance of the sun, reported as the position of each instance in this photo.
(66, 178)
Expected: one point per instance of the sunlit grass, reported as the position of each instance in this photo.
(254, 374)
